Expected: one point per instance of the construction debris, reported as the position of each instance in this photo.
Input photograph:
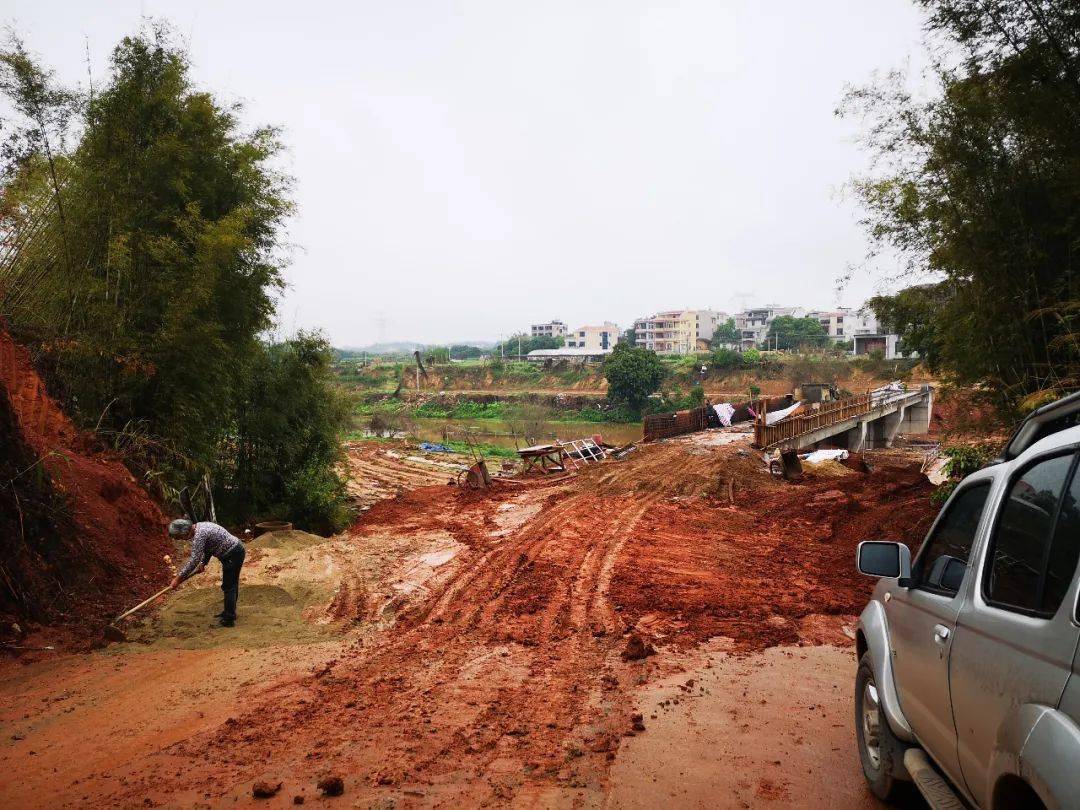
(637, 649)
(264, 789)
(542, 458)
(331, 785)
(567, 455)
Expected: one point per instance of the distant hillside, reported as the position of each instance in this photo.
(400, 347)
(405, 347)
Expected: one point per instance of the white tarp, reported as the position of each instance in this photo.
(819, 456)
(776, 416)
(725, 410)
(887, 392)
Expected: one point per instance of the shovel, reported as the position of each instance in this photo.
(114, 633)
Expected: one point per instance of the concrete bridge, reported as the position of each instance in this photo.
(862, 422)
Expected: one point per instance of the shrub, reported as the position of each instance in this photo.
(633, 375)
(288, 439)
(964, 459)
(727, 360)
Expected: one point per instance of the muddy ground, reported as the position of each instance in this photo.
(674, 629)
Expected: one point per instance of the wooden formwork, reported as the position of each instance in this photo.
(664, 425)
(829, 413)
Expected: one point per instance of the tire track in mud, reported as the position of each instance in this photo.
(496, 568)
(563, 654)
(403, 476)
(599, 605)
(466, 680)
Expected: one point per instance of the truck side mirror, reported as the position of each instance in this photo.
(877, 558)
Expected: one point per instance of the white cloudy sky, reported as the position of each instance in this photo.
(466, 168)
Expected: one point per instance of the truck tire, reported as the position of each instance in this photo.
(881, 753)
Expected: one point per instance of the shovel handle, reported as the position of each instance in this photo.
(142, 604)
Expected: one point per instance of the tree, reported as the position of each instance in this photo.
(436, 354)
(287, 439)
(912, 314)
(725, 334)
(629, 336)
(978, 190)
(633, 375)
(789, 332)
(47, 109)
(462, 352)
(154, 276)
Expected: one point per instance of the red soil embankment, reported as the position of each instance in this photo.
(105, 547)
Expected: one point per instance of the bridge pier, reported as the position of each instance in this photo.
(890, 426)
(881, 432)
(856, 437)
(917, 415)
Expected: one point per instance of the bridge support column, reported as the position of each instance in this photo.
(891, 426)
(917, 416)
(856, 438)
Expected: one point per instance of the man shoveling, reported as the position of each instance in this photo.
(211, 540)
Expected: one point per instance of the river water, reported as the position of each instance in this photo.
(494, 431)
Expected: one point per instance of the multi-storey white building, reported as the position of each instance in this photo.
(863, 322)
(753, 324)
(839, 324)
(677, 331)
(596, 339)
(550, 329)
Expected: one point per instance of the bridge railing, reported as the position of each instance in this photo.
(801, 423)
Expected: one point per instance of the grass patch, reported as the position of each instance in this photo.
(486, 450)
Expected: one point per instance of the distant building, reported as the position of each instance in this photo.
(753, 324)
(869, 335)
(886, 344)
(553, 329)
(566, 354)
(864, 322)
(600, 338)
(839, 324)
(677, 331)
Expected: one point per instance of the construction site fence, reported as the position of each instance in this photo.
(829, 413)
(664, 425)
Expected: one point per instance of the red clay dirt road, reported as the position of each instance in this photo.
(484, 649)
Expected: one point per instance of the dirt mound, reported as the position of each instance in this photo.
(759, 571)
(680, 469)
(289, 540)
(102, 545)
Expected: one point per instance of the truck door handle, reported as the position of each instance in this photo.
(941, 633)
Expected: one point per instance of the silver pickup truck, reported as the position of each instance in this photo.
(968, 682)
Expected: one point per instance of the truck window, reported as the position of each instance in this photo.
(949, 545)
(1065, 548)
(1022, 542)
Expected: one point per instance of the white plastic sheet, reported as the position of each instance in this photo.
(819, 456)
(776, 416)
(725, 410)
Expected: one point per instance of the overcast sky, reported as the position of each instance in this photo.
(467, 168)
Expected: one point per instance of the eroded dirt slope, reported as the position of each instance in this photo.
(105, 548)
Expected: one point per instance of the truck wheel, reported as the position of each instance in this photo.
(881, 753)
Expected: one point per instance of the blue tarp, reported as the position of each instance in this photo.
(431, 447)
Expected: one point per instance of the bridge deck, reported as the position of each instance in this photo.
(787, 432)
